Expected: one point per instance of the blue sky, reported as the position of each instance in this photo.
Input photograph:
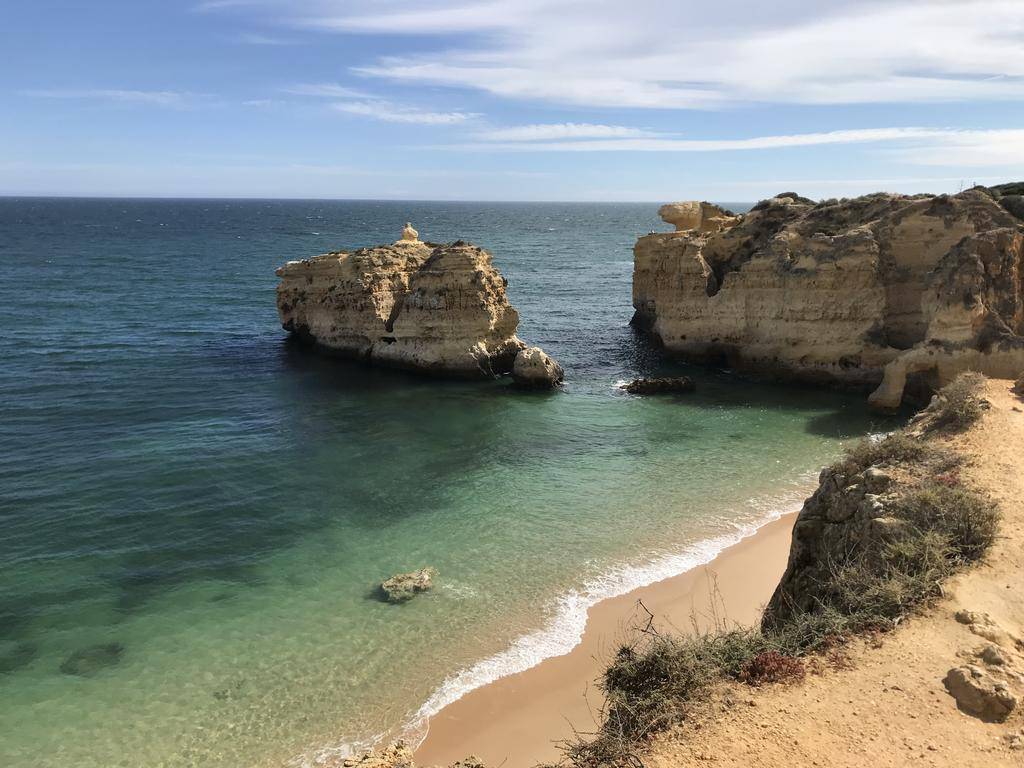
(509, 99)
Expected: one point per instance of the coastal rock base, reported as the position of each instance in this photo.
(535, 369)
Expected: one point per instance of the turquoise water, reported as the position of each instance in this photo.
(195, 513)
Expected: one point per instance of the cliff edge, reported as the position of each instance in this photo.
(871, 292)
(422, 306)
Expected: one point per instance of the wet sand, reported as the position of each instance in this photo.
(518, 721)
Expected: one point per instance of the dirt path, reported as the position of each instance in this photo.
(891, 708)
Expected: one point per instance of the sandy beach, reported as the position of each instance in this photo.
(519, 720)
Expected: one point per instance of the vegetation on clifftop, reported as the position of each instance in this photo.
(933, 525)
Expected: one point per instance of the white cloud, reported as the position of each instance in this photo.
(156, 98)
(397, 113)
(916, 146)
(326, 90)
(555, 131)
(969, 149)
(855, 136)
(255, 38)
(685, 54)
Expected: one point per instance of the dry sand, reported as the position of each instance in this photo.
(517, 721)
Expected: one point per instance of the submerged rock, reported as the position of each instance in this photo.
(534, 368)
(394, 755)
(15, 656)
(658, 386)
(405, 586)
(86, 662)
(869, 292)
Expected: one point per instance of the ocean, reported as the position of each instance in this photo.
(195, 513)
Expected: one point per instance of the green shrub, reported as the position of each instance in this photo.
(959, 404)
(897, 448)
(967, 521)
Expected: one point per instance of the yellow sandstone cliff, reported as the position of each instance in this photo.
(865, 292)
(432, 308)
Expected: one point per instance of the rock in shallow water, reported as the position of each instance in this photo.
(86, 662)
(658, 386)
(535, 369)
(405, 586)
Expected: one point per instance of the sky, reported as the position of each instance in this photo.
(590, 100)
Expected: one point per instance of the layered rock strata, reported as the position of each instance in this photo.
(433, 308)
(868, 292)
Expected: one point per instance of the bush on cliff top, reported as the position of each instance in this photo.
(959, 404)
(937, 526)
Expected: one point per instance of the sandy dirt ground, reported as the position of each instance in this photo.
(890, 708)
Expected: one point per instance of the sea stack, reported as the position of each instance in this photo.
(869, 292)
(422, 306)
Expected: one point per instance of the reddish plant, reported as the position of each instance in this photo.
(772, 667)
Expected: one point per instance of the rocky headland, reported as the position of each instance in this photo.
(883, 292)
(426, 307)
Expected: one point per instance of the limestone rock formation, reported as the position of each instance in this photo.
(435, 308)
(535, 369)
(694, 216)
(405, 586)
(978, 694)
(864, 292)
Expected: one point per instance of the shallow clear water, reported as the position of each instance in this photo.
(195, 513)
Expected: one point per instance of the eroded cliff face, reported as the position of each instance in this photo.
(434, 308)
(862, 292)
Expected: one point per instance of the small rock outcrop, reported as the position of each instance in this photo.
(535, 369)
(660, 386)
(405, 586)
(433, 308)
(978, 693)
(869, 292)
(398, 754)
(696, 217)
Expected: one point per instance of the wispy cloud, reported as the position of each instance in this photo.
(556, 131)
(256, 38)
(155, 98)
(326, 90)
(397, 113)
(855, 136)
(969, 149)
(368, 105)
(656, 54)
(948, 147)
